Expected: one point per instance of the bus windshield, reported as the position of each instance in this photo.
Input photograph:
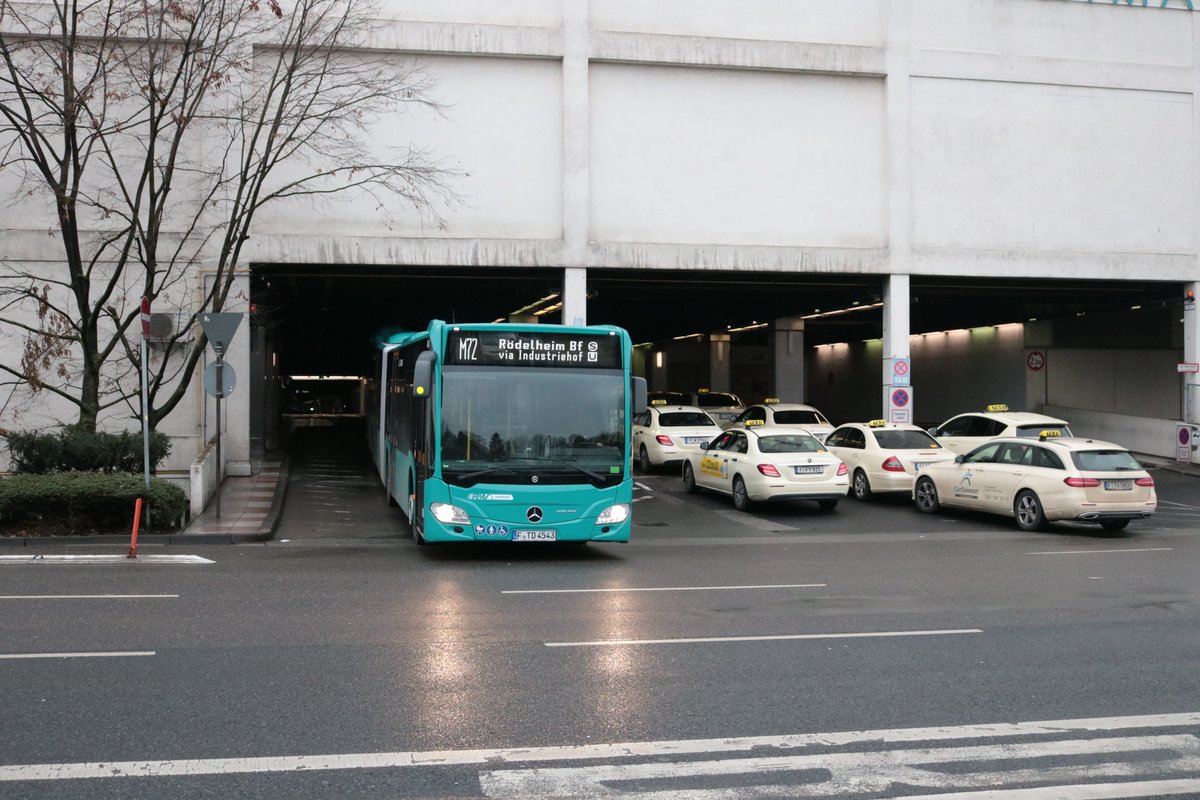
(518, 426)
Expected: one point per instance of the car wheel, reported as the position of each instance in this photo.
(827, 505)
(741, 498)
(1028, 511)
(861, 486)
(927, 497)
(644, 460)
(1114, 524)
(689, 479)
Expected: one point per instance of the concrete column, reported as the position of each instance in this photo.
(787, 360)
(718, 362)
(574, 310)
(896, 373)
(896, 287)
(576, 210)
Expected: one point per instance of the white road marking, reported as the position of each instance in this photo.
(524, 755)
(39, 558)
(115, 654)
(87, 596)
(668, 589)
(1099, 552)
(755, 522)
(855, 773)
(782, 637)
(1094, 791)
(642, 486)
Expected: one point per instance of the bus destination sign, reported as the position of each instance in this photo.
(532, 349)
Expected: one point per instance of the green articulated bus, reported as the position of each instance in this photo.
(507, 432)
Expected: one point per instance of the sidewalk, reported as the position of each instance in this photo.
(250, 506)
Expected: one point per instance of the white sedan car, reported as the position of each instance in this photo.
(767, 463)
(721, 406)
(882, 456)
(1042, 480)
(664, 433)
(965, 432)
(773, 412)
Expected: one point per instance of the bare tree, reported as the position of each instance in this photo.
(155, 131)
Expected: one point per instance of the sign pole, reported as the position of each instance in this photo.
(220, 393)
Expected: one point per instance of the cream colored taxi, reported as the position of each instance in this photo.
(665, 433)
(721, 406)
(1036, 481)
(967, 431)
(883, 456)
(762, 463)
(773, 412)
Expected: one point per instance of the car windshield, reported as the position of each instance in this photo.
(905, 440)
(686, 419)
(797, 417)
(1033, 431)
(789, 443)
(508, 425)
(1105, 461)
(717, 400)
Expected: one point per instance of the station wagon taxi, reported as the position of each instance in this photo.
(1036, 481)
(772, 411)
(759, 463)
(883, 456)
(965, 432)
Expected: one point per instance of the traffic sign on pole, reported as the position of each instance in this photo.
(220, 327)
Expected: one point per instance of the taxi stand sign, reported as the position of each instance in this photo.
(899, 402)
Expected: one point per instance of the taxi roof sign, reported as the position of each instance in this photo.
(658, 402)
(702, 390)
(877, 423)
(770, 401)
(998, 407)
(752, 422)
(1048, 434)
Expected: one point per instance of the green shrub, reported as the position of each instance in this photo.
(85, 502)
(73, 449)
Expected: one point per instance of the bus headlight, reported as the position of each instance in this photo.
(613, 514)
(444, 512)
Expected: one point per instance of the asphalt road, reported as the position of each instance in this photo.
(871, 652)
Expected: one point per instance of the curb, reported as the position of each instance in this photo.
(265, 532)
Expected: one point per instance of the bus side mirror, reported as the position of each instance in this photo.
(423, 374)
(640, 395)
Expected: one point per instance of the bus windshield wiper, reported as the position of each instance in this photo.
(562, 461)
(466, 476)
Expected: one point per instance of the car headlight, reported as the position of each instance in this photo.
(613, 514)
(444, 512)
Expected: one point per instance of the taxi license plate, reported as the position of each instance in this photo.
(694, 439)
(808, 470)
(535, 536)
(1118, 485)
(918, 464)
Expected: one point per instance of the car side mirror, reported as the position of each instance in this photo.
(959, 459)
(933, 431)
(704, 445)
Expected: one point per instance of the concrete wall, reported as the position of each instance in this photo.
(1001, 138)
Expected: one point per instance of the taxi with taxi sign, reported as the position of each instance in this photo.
(967, 431)
(1037, 481)
(763, 462)
(773, 412)
(664, 433)
(883, 456)
(721, 406)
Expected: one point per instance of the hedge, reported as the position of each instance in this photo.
(87, 451)
(85, 502)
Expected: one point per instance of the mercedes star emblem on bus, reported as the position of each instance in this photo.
(534, 514)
